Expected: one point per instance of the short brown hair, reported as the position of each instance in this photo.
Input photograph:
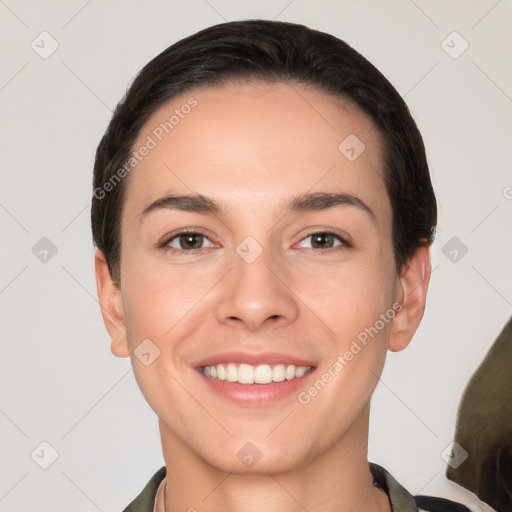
(272, 51)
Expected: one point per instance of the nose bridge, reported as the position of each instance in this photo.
(255, 291)
(253, 278)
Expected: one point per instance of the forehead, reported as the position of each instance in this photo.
(257, 144)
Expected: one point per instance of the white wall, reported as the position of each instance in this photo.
(59, 381)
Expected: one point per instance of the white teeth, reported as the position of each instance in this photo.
(245, 374)
(290, 372)
(278, 373)
(299, 372)
(231, 372)
(221, 372)
(248, 374)
(263, 374)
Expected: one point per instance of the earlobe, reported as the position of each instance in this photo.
(412, 294)
(111, 305)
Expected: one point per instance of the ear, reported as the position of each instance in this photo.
(412, 295)
(109, 295)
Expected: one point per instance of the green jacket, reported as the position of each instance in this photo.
(400, 499)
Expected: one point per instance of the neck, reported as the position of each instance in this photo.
(337, 480)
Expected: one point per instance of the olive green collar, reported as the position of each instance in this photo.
(400, 499)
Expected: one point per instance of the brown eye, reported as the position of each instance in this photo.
(322, 240)
(185, 242)
(325, 241)
(190, 241)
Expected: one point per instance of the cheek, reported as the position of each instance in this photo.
(353, 303)
(156, 296)
(348, 297)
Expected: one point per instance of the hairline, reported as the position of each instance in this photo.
(342, 100)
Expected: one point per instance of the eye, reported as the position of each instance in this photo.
(192, 241)
(186, 241)
(324, 241)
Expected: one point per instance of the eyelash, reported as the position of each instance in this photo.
(344, 242)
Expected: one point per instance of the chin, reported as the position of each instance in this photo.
(254, 457)
(273, 464)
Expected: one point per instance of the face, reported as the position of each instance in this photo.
(279, 261)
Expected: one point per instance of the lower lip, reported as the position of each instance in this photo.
(257, 394)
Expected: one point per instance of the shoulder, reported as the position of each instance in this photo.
(445, 493)
(145, 501)
(436, 504)
(442, 496)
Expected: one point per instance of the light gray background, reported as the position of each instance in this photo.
(59, 381)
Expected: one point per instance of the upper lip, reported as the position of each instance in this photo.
(252, 358)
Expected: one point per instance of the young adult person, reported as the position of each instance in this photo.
(263, 212)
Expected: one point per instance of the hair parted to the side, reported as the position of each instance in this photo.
(270, 51)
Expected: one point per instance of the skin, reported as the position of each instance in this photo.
(252, 147)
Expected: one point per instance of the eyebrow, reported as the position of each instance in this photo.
(303, 203)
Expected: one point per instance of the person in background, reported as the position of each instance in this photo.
(484, 427)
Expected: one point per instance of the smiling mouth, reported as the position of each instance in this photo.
(249, 374)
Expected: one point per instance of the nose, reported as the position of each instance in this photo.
(255, 294)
